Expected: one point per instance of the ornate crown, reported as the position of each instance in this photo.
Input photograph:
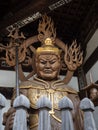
(47, 35)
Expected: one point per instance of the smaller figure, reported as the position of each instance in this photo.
(93, 93)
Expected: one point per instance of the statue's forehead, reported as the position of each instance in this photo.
(48, 56)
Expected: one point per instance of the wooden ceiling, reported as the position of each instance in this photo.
(74, 19)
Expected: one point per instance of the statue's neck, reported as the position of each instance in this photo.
(48, 83)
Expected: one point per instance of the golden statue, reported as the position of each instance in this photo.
(46, 80)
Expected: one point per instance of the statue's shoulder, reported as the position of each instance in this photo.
(28, 84)
(72, 90)
(68, 89)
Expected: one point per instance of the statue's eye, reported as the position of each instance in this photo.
(52, 62)
(42, 62)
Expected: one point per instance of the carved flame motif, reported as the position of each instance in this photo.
(73, 56)
(16, 34)
(10, 48)
(46, 29)
(11, 56)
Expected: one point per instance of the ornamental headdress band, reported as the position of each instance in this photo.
(47, 35)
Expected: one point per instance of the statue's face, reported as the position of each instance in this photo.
(48, 66)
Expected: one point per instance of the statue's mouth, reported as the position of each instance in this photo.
(47, 70)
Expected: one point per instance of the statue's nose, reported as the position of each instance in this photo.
(47, 65)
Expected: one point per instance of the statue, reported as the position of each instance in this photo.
(92, 92)
(46, 80)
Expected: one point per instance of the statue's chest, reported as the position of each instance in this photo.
(54, 95)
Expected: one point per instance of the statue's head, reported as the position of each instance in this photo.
(48, 61)
(48, 55)
(93, 93)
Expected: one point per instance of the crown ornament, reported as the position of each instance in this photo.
(47, 35)
(46, 29)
